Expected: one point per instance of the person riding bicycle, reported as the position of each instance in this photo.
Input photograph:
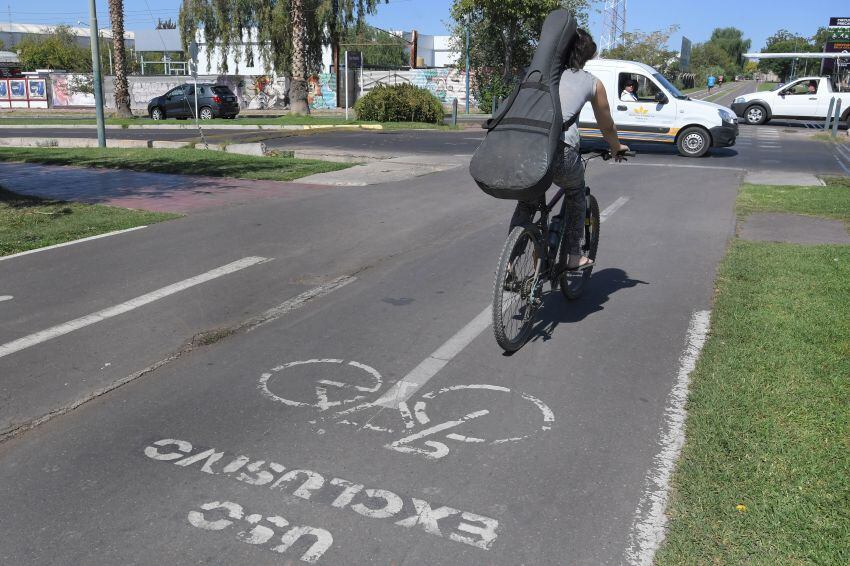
(577, 87)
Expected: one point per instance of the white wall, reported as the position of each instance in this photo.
(258, 68)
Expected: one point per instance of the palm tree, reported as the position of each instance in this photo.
(298, 89)
(122, 91)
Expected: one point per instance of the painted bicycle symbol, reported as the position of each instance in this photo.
(345, 393)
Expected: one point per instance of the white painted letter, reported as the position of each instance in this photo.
(210, 455)
(235, 465)
(313, 482)
(324, 540)
(261, 477)
(484, 535)
(197, 519)
(393, 504)
(427, 517)
(344, 498)
(182, 446)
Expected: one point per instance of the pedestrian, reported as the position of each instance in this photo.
(711, 81)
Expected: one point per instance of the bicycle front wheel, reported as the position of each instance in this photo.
(573, 283)
(516, 290)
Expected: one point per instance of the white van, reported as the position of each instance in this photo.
(661, 113)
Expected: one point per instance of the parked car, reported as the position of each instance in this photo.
(805, 99)
(661, 114)
(214, 101)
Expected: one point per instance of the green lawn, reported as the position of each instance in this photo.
(764, 476)
(766, 86)
(182, 161)
(248, 120)
(832, 201)
(27, 223)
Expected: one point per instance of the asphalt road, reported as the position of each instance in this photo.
(234, 453)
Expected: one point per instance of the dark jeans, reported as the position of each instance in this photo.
(569, 175)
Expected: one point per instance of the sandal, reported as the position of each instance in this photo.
(584, 263)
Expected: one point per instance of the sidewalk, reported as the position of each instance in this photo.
(157, 192)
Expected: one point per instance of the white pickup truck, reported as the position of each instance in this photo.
(805, 99)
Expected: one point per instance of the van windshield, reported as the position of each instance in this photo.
(669, 86)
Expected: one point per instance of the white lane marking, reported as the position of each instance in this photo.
(294, 303)
(82, 322)
(841, 163)
(647, 530)
(675, 165)
(403, 389)
(612, 208)
(6, 298)
(63, 244)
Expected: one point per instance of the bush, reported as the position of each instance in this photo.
(399, 103)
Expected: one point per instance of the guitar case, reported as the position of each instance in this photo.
(515, 160)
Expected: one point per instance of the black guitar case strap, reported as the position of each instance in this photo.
(516, 157)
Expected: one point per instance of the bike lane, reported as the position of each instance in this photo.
(239, 453)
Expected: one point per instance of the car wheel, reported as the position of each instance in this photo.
(206, 113)
(693, 142)
(157, 114)
(755, 115)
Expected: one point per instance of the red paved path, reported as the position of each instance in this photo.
(148, 191)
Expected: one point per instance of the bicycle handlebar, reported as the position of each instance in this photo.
(606, 154)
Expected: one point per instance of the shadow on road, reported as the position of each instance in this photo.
(556, 309)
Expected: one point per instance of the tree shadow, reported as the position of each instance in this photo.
(557, 309)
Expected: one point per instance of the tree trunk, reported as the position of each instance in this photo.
(122, 91)
(298, 103)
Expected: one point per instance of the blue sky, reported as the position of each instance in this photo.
(696, 18)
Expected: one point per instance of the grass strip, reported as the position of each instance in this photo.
(28, 223)
(211, 124)
(763, 477)
(762, 87)
(832, 201)
(181, 161)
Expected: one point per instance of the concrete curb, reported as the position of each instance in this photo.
(207, 125)
(256, 149)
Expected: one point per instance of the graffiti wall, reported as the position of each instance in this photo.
(445, 83)
(321, 91)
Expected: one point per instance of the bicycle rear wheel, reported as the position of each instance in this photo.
(574, 282)
(516, 289)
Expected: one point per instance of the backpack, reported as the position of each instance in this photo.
(515, 160)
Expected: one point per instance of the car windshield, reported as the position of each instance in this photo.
(669, 86)
(222, 90)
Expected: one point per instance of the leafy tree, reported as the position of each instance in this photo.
(709, 58)
(648, 48)
(290, 33)
(731, 40)
(165, 24)
(380, 48)
(2, 45)
(784, 41)
(503, 35)
(122, 90)
(56, 50)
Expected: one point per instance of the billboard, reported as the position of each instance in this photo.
(838, 41)
(685, 55)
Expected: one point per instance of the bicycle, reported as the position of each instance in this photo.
(535, 253)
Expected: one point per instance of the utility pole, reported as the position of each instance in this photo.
(467, 66)
(97, 84)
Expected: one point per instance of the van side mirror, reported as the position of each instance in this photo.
(661, 98)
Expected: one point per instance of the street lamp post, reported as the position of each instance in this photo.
(96, 82)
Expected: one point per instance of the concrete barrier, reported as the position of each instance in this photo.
(258, 149)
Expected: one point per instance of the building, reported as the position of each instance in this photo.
(11, 34)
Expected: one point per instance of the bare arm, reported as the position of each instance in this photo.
(602, 111)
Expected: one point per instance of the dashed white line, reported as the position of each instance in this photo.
(63, 244)
(404, 388)
(82, 322)
(650, 520)
(6, 298)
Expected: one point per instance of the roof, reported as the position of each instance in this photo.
(42, 29)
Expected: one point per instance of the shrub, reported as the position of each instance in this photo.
(399, 103)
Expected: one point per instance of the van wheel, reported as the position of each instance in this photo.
(755, 115)
(693, 142)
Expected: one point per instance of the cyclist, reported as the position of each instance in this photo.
(577, 87)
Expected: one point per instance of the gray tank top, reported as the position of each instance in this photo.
(577, 88)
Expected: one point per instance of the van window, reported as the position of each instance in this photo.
(646, 89)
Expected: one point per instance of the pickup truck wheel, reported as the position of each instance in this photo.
(755, 115)
(693, 142)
